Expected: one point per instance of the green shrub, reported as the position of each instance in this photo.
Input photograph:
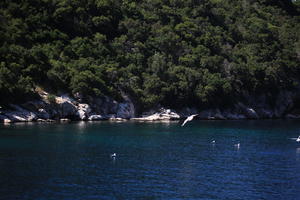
(51, 99)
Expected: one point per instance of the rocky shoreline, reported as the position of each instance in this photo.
(65, 109)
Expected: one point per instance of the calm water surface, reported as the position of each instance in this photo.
(154, 160)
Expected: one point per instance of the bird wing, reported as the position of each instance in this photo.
(190, 118)
(185, 121)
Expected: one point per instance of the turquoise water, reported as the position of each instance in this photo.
(154, 160)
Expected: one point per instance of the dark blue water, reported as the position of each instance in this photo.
(154, 161)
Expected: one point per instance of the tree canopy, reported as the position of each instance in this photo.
(160, 52)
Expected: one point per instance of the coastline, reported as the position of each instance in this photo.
(65, 108)
(162, 115)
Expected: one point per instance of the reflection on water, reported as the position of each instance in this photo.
(81, 126)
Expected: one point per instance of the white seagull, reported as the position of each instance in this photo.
(113, 155)
(213, 142)
(190, 118)
(237, 145)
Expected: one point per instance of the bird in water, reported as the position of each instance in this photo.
(190, 118)
(213, 142)
(237, 145)
(113, 155)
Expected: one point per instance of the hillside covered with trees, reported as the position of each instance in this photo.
(168, 52)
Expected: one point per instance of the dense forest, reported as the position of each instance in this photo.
(159, 52)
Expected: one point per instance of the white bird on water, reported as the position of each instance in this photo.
(113, 155)
(213, 142)
(237, 145)
(190, 118)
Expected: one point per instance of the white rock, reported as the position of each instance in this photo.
(65, 120)
(81, 114)
(96, 117)
(83, 111)
(7, 121)
(163, 115)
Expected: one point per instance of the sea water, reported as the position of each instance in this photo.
(153, 160)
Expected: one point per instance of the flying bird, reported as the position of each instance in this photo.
(190, 118)
(297, 139)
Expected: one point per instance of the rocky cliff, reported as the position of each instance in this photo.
(65, 108)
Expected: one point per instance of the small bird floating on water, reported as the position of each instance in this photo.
(213, 142)
(113, 155)
(190, 118)
(237, 145)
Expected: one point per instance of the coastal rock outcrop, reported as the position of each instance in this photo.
(96, 117)
(247, 112)
(125, 111)
(18, 114)
(66, 106)
(43, 114)
(83, 111)
(162, 115)
(250, 113)
(4, 119)
(207, 114)
(233, 116)
(103, 106)
(292, 116)
(285, 105)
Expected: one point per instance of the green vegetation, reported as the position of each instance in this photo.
(167, 52)
(51, 99)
